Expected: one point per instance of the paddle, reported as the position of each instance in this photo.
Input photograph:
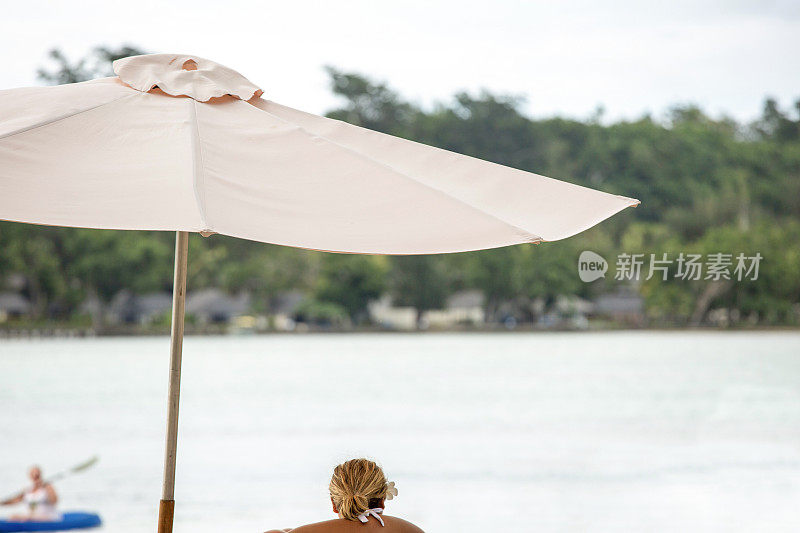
(60, 475)
(74, 470)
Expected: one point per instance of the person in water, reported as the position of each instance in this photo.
(359, 491)
(41, 498)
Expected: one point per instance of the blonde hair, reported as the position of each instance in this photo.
(357, 485)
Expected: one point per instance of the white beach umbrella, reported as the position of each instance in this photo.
(180, 143)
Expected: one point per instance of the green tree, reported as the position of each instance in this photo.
(369, 104)
(419, 281)
(95, 65)
(351, 281)
(707, 185)
(497, 274)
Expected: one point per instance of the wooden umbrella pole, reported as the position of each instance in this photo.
(167, 507)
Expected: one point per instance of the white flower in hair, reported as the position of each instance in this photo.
(391, 492)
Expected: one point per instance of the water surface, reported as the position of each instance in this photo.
(554, 432)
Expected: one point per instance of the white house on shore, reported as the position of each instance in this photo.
(13, 305)
(462, 308)
(383, 313)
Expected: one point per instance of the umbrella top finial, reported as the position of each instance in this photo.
(184, 75)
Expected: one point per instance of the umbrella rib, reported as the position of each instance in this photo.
(61, 118)
(529, 237)
(198, 172)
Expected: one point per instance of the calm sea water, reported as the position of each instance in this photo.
(581, 432)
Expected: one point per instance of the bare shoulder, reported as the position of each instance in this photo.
(328, 526)
(393, 525)
(401, 526)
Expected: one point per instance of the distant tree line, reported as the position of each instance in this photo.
(706, 185)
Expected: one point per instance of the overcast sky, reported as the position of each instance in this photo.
(566, 58)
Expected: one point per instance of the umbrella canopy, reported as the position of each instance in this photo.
(180, 143)
(165, 148)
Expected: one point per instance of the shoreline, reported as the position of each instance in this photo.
(61, 332)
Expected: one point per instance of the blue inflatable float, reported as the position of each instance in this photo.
(68, 521)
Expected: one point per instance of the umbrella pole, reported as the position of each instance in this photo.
(167, 506)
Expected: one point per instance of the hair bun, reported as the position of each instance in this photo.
(354, 484)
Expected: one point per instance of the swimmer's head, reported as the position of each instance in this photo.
(35, 473)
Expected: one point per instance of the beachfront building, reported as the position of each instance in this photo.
(214, 306)
(13, 306)
(625, 306)
(463, 308)
(128, 308)
(283, 310)
(383, 313)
